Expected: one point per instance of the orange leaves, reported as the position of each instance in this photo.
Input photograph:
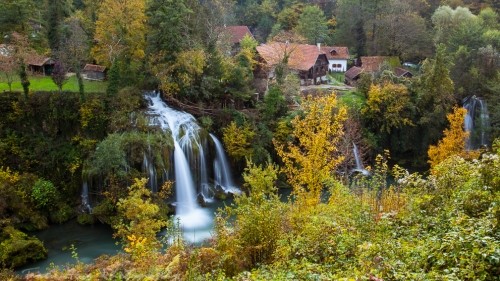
(453, 142)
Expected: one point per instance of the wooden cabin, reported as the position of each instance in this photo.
(40, 65)
(94, 72)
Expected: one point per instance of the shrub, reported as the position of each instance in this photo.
(44, 194)
(62, 213)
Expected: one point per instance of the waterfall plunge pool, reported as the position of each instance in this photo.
(92, 241)
(194, 162)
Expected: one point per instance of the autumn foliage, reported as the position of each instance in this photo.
(453, 142)
(312, 156)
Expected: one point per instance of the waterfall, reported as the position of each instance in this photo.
(185, 134)
(476, 122)
(359, 163)
(222, 169)
(85, 197)
(207, 193)
(150, 170)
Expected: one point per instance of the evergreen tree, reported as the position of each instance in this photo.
(350, 26)
(57, 12)
(113, 79)
(435, 96)
(171, 15)
(14, 15)
(25, 82)
(313, 25)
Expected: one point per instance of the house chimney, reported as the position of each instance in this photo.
(319, 46)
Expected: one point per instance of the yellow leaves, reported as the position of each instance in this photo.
(260, 180)
(139, 247)
(190, 64)
(74, 165)
(139, 220)
(120, 30)
(7, 176)
(312, 156)
(388, 106)
(238, 140)
(90, 112)
(187, 67)
(135, 242)
(453, 142)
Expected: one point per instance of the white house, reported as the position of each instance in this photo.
(337, 58)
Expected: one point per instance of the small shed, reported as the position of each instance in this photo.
(352, 75)
(40, 65)
(94, 72)
(401, 72)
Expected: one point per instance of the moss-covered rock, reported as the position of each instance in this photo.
(85, 218)
(17, 248)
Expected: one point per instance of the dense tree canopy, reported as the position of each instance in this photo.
(120, 29)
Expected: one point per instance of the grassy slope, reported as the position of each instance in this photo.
(45, 83)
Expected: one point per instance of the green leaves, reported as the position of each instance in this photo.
(44, 194)
(313, 25)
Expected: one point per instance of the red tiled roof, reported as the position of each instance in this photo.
(372, 64)
(237, 32)
(301, 56)
(400, 72)
(353, 72)
(94, 68)
(336, 53)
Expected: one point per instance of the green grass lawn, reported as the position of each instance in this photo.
(45, 83)
(336, 78)
(352, 100)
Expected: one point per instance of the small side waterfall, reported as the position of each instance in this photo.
(85, 198)
(222, 169)
(359, 163)
(150, 170)
(476, 122)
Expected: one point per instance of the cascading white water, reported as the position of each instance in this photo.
(222, 169)
(85, 197)
(208, 194)
(359, 164)
(476, 122)
(150, 169)
(185, 136)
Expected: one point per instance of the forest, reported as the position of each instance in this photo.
(380, 179)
